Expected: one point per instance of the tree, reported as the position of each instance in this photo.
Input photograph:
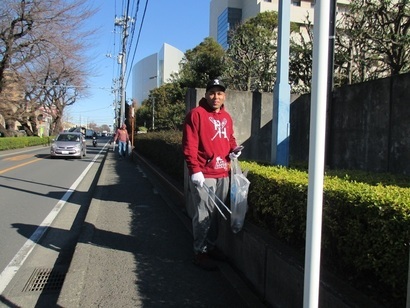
(33, 33)
(374, 40)
(10, 98)
(204, 62)
(301, 58)
(105, 127)
(168, 105)
(251, 55)
(143, 114)
(64, 87)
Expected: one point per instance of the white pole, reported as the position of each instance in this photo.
(316, 154)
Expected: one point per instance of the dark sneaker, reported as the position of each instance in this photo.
(203, 261)
(217, 254)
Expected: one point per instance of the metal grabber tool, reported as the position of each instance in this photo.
(212, 193)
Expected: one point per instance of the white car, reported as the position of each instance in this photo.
(68, 144)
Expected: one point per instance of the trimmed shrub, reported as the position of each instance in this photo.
(164, 149)
(9, 143)
(366, 216)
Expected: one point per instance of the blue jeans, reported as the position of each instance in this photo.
(122, 148)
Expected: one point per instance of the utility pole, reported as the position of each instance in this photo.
(124, 23)
(114, 90)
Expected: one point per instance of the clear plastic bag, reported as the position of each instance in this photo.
(239, 196)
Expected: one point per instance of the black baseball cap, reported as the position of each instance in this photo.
(215, 83)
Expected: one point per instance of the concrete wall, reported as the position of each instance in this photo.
(359, 127)
(367, 125)
(276, 273)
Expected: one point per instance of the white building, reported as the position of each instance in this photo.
(226, 14)
(154, 70)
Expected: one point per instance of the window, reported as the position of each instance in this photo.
(295, 3)
(228, 19)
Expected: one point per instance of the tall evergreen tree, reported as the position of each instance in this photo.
(201, 63)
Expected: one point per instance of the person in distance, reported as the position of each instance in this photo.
(123, 138)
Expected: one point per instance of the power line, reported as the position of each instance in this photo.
(133, 26)
(139, 34)
(123, 22)
(92, 110)
(125, 67)
(70, 86)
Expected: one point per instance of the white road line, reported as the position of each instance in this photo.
(15, 264)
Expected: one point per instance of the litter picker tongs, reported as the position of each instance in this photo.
(212, 194)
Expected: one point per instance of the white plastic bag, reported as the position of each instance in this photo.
(239, 196)
(129, 148)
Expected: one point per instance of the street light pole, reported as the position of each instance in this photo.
(153, 113)
(153, 106)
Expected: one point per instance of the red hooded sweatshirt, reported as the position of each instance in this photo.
(207, 140)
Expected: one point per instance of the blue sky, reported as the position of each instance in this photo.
(181, 23)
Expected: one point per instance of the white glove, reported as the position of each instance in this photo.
(233, 155)
(198, 178)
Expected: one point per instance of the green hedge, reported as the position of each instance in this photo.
(164, 150)
(366, 216)
(9, 143)
(366, 225)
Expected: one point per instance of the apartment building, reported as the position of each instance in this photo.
(225, 14)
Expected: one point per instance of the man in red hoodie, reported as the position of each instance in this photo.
(208, 143)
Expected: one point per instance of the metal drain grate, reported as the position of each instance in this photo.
(44, 279)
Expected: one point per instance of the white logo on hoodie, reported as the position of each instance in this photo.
(219, 127)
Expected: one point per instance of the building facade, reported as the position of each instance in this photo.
(226, 14)
(154, 70)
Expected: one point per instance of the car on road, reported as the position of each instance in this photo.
(68, 144)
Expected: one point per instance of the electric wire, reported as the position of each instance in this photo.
(134, 19)
(130, 42)
(127, 47)
(138, 38)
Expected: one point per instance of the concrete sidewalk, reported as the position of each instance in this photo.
(135, 250)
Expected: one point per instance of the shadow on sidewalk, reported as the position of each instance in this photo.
(161, 245)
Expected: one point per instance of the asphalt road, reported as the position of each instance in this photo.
(34, 190)
(138, 252)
